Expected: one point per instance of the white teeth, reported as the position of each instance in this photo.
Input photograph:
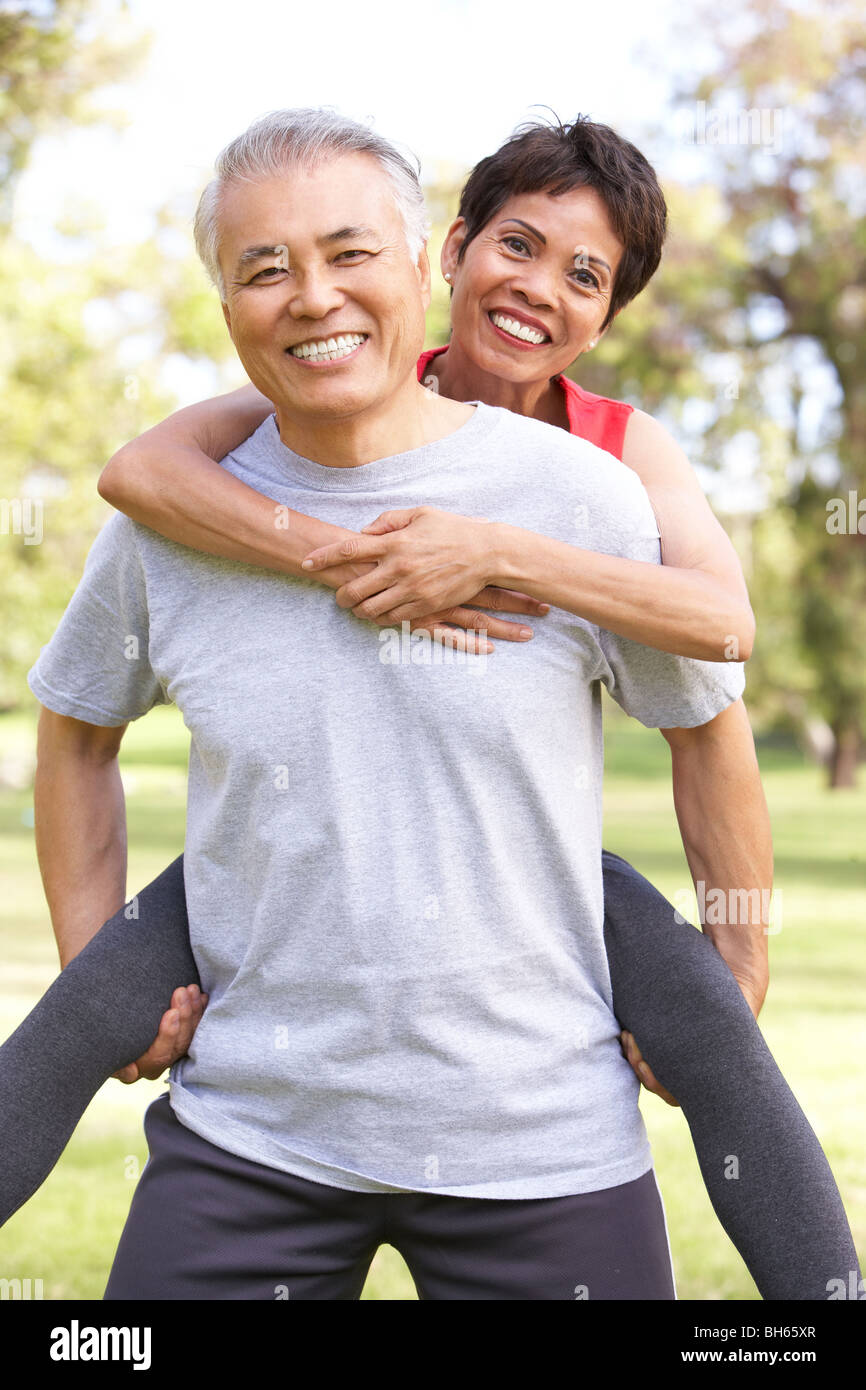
(518, 330)
(330, 349)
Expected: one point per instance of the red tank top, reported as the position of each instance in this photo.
(595, 418)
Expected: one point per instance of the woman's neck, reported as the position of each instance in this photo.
(462, 380)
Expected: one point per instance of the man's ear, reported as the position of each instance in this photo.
(422, 269)
(454, 239)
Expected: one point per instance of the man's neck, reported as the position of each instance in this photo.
(413, 418)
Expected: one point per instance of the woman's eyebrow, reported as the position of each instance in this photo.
(595, 260)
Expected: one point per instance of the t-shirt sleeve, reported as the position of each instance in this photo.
(661, 690)
(96, 667)
(665, 691)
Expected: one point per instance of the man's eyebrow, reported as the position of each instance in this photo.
(346, 234)
(595, 260)
(257, 253)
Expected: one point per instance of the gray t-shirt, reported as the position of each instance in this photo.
(393, 853)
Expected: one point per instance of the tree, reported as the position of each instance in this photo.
(760, 315)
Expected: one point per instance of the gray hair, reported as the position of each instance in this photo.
(304, 136)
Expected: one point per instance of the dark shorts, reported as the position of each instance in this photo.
(207, 1224)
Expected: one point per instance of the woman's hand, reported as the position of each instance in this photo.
(425, 561)
(458, 626)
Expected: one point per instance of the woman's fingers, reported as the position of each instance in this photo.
(508, 601)
(394, 520)
(367, 596)
(353, 549)
(482, 622)
(462, 641)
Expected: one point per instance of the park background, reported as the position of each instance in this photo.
(750, 345)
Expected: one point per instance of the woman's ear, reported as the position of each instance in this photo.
(454, 239)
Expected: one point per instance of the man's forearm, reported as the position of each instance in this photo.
(725, 826)
(80, 825)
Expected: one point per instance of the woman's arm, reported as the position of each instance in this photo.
(695, 604)
(169, 479)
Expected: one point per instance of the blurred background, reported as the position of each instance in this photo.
(749, 344)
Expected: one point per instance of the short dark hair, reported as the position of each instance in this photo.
(554, 159)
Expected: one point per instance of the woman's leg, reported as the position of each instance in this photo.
(767, 1176)
(101, 1012)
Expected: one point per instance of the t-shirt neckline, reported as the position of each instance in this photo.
(450, 449)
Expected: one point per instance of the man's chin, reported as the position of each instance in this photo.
(326, 405)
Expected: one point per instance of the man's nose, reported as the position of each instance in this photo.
(314, 295)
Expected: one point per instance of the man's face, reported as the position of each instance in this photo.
(311, 256)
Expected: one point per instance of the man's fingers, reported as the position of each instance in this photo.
(642, 1070)
(127, 1074)
(176, 1029)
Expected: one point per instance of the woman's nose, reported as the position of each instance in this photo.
(536, 285)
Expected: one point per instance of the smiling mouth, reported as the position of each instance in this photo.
(521, 332)
(328, 349)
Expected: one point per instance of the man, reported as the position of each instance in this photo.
(392, 865)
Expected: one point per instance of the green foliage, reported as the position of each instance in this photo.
(51, 65)
(759, 314)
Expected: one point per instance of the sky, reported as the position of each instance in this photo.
(449, 80)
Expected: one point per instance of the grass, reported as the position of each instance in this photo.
(813, 1021)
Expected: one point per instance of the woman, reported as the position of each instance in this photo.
(556, 232)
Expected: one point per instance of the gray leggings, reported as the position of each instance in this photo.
(671, 989)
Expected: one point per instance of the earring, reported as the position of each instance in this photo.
(592, 344)
(448, 279)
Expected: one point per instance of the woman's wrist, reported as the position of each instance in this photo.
(509, 563)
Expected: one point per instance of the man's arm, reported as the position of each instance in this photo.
(80, 824)
(725, 826)
(725, 829)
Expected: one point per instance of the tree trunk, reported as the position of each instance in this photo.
(845, 756)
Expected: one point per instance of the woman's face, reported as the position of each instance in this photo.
(545, 264)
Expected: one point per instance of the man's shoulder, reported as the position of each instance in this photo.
(555, 442)
(554, 456)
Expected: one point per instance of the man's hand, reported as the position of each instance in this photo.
(634, 1057)
(754, 997)
(172, 1042)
